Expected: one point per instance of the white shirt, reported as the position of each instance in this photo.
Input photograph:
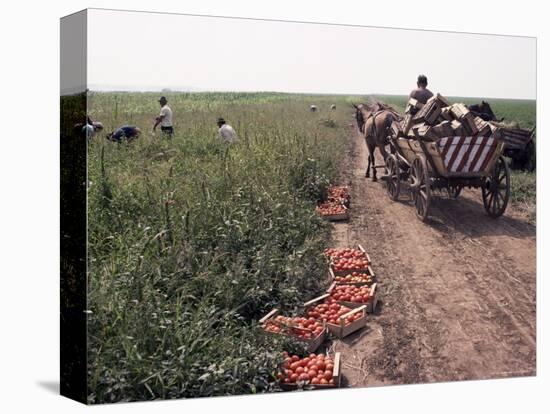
(167, 113)
(227, 133)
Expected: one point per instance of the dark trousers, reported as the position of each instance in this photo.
(167, 130)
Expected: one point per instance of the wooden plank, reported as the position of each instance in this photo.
(269, 315)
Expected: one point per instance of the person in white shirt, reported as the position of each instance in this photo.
(226, 132)
(164, 118)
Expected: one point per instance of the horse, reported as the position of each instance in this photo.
(374, 121)
(484, 111)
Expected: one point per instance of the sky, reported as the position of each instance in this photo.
(140, 51)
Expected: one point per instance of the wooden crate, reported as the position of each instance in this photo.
(336, 376)
(344, 272)
(446, 113)
(443, 129)
(441, 101)
(341, 330)
(429, 112)
(370, 305)
(369, 272)
(312, 344)
(337, 217)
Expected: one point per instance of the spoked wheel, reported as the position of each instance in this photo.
(496, 189)
(393, 183)
(420, 187)
(454, 191)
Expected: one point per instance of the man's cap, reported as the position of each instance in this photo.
(163, 98)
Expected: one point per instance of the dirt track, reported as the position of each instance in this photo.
(457, 294)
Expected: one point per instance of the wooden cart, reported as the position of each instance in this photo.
(449, 164)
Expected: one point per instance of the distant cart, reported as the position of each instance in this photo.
(449, 164)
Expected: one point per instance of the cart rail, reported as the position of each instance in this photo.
(456, 156)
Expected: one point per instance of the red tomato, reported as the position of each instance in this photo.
(304, 377)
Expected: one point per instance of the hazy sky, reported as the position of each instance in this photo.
(147, 51)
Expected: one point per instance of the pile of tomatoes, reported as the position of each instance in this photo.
(331, 312)
(304, 328)
(351, 264)
(339, 194)
(314, 369)
(348, 293)
(329, 209)
(354, 277)
(346, 253)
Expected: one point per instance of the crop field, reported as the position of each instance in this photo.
(191, 241)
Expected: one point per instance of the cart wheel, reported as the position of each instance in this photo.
(454, 191)
(393, 182)
(496, 189)
(420, 187)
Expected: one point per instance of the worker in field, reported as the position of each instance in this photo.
(421, 93)
(128, 132)
(226, 131)
(164, 118)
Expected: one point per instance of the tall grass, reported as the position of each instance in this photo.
(191, 241)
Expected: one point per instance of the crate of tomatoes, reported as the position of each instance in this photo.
(340, 320)
(333, 211)
(353, 278)
(339, 194)
(354, 296)
(316, 371)
(345, 260)
(308, 330)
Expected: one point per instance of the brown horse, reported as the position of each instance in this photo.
(374, 121)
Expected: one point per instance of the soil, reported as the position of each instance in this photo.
(457, 294)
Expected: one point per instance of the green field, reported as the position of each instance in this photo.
(191, 241)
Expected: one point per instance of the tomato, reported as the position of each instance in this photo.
(329, 367)
(294, 377)
(303, 377)
(299, 370)
(327, 375)
(294, 366)
(323, 381)
(320, 365)
(312, 374)
(315, 380)
(295, 358)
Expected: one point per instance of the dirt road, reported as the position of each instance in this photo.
(457, 294)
